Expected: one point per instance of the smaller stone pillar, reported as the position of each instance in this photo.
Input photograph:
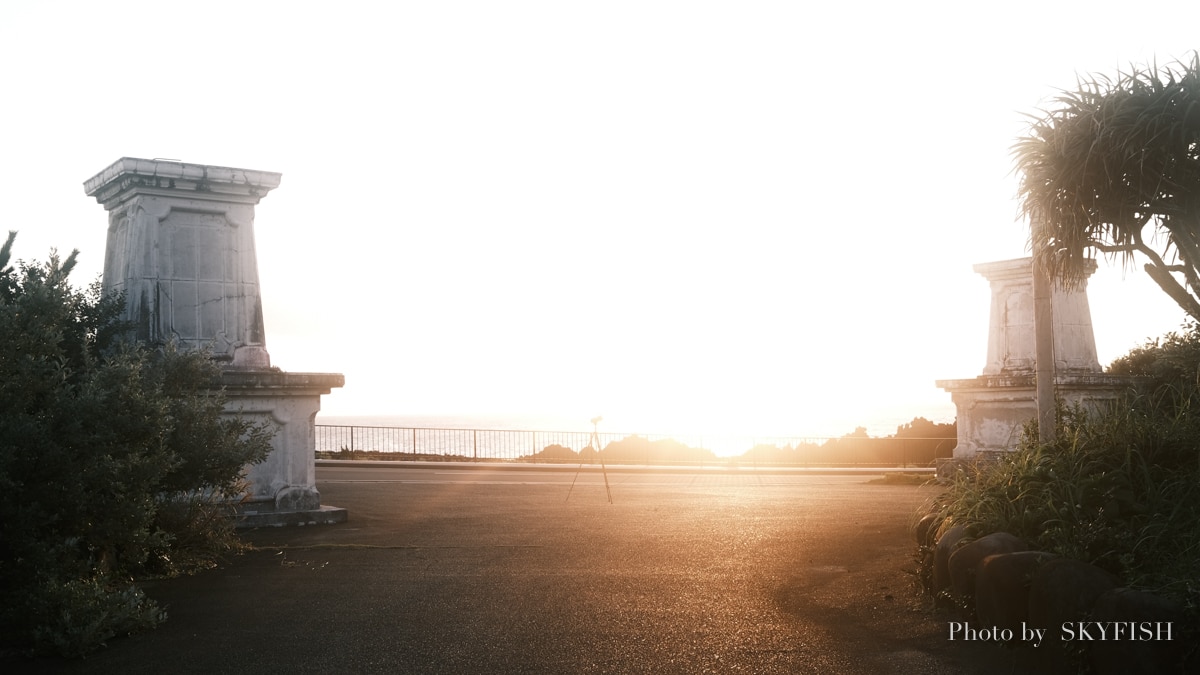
(283, 487)
(993, 407)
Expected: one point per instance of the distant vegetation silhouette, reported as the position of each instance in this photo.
(919, 442)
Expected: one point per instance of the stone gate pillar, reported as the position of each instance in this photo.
(993, 407)
(181, 248)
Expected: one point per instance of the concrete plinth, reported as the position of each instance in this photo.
(992, 409)
(283, 488)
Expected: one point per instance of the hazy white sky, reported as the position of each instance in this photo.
(731, 216)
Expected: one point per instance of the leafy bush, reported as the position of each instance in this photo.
(1169, 368)
(638, 449)
(72, 617)
(115, 461)
(1119, 488)
(1115, 490)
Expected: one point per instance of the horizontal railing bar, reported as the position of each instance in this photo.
(615, 447)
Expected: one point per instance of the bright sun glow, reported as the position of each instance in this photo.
(720, 217)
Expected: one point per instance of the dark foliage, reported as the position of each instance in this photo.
(1114, 167)
(115, 462)
(1119, 488)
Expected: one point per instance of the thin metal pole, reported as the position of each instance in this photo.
(1043, 328)
(603, 470)
(594, 442)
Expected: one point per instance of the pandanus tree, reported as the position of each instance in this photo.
(1113, 168)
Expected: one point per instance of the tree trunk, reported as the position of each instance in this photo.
(1043, 330)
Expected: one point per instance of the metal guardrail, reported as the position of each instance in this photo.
(415, 443)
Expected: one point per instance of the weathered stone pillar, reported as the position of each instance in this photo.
(181, 248)
(993, 407)
(1011, 346)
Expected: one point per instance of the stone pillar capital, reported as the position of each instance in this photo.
(130, 176)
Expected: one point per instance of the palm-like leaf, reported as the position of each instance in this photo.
(1110, 159)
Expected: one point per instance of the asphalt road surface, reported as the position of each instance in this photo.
(446, 570)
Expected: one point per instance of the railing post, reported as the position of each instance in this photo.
(475, 444)
(351, 439)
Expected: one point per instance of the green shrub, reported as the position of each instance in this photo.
(115, 462)
(71, 617)
(1119, 488)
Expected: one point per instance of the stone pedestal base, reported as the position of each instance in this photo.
(283, 489)
(992, 409)
(259, 514)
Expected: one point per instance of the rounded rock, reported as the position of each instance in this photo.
(1154, 639)
(1065, 590)
(1002, 584)
(946, 543)
(964, 561)
(926, 528)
